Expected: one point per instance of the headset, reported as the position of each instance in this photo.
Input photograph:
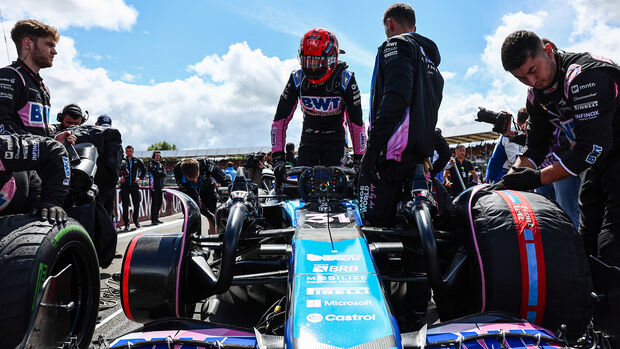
(74, 111)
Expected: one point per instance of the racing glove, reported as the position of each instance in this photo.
(523, 178)
(51, 212)
(279, 167)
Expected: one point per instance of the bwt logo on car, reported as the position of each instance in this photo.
(311, 291)
(321, 104)
(335, 257)
(316, 317)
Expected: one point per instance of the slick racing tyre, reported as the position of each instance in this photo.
(31, 251)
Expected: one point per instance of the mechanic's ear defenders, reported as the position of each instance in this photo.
(74, 111)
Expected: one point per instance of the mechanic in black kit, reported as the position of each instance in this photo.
(132, 171)
(329, 98)
(405, 96)
(22, 190)
(577, 93)
(157, 175)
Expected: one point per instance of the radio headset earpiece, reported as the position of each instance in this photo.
(74, 111)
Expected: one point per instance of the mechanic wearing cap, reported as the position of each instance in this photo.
(405, 96)
(328, 92)
(104, 120)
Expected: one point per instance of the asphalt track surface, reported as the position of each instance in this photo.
(112, 322)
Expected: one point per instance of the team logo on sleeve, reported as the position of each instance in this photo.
(594, 154)
(67, 168)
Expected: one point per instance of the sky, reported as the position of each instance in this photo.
(208, 74)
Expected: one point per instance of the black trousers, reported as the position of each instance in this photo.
(315, 153)
(156, 200)
(599, 211)
(106, 197)
(386, 190)
(134, 192)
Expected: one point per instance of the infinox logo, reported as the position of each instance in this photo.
(334, 257)
(316, 317)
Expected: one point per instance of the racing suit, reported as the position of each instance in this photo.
(405, 97)
(157, 173)
(584, 103)
(324, 107)
(19, 191)
(24, 101)
(203, 192)
(130, 170)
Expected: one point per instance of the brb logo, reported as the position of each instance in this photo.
(321, 105)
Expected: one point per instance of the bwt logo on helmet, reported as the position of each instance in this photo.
(321, 104)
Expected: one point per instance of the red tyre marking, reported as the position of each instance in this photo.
(128, 255)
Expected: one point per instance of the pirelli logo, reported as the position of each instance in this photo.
(586, 105)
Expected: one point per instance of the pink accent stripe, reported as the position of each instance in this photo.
(280, 135)
(18, 73)
(398, 142)
(616, 84)
(185, 220)
(473, 234)
(2, 168)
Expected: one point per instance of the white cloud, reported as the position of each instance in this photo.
(447, 75)
(229, 103)
(129, 77)
(471, 71)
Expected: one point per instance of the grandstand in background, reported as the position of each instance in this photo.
(474, 132)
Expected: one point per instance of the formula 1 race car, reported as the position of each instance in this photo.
(505, 269)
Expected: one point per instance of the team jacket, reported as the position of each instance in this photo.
(157, 173)
(326, 108)
(130, 169)
(29, 152)
(583, 103)
(404, 99)
(24, 101)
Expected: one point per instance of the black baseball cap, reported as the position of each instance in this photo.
(104, 120)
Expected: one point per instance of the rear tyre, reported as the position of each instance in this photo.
(30, 251)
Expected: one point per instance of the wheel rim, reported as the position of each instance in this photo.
(82, 292)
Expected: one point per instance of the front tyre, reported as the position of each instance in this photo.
(30, 251)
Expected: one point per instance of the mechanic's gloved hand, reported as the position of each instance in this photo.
(279, 166)
(367, 166)
(51, 212)
(523, 178)
(357, 162)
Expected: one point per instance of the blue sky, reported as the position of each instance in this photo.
(208, 74)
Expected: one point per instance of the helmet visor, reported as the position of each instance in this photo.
(313, 64)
